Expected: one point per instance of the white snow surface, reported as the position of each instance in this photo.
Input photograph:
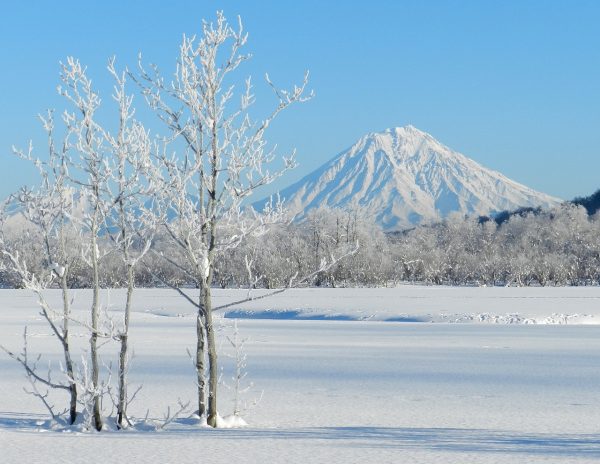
(355, 390)
(403, 176)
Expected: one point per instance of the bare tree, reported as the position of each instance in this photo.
(48, 210)
(239, 383)
(226, 160)
(127, 190)
(88, 143)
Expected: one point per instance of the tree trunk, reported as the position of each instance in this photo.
(94, 336)
(213, 375)
(123, 359)
(200, 355)
(67, 351)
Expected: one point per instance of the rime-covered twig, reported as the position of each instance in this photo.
(171, 416)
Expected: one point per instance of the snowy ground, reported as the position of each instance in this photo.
(343, 385)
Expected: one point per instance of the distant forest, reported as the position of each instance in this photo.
(528, 246)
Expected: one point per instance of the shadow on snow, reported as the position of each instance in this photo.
(285, 315)
(433, 439)
(292, 314)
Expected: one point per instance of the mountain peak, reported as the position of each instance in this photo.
(408, 131)
(403, 176)
(404, 143)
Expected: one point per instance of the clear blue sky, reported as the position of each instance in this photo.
(514, 85)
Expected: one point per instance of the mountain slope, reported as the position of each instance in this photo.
(403, 176)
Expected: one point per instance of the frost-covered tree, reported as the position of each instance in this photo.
(87, 151)
(47, 212)
(130, 231)
(226, 158)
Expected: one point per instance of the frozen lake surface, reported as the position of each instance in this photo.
(357, 390)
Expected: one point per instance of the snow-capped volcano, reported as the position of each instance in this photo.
(404, 176)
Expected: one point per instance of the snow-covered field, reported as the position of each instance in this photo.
(346, 375)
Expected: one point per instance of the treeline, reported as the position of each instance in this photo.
(591, 203)
(556, 247)
(525, 247)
